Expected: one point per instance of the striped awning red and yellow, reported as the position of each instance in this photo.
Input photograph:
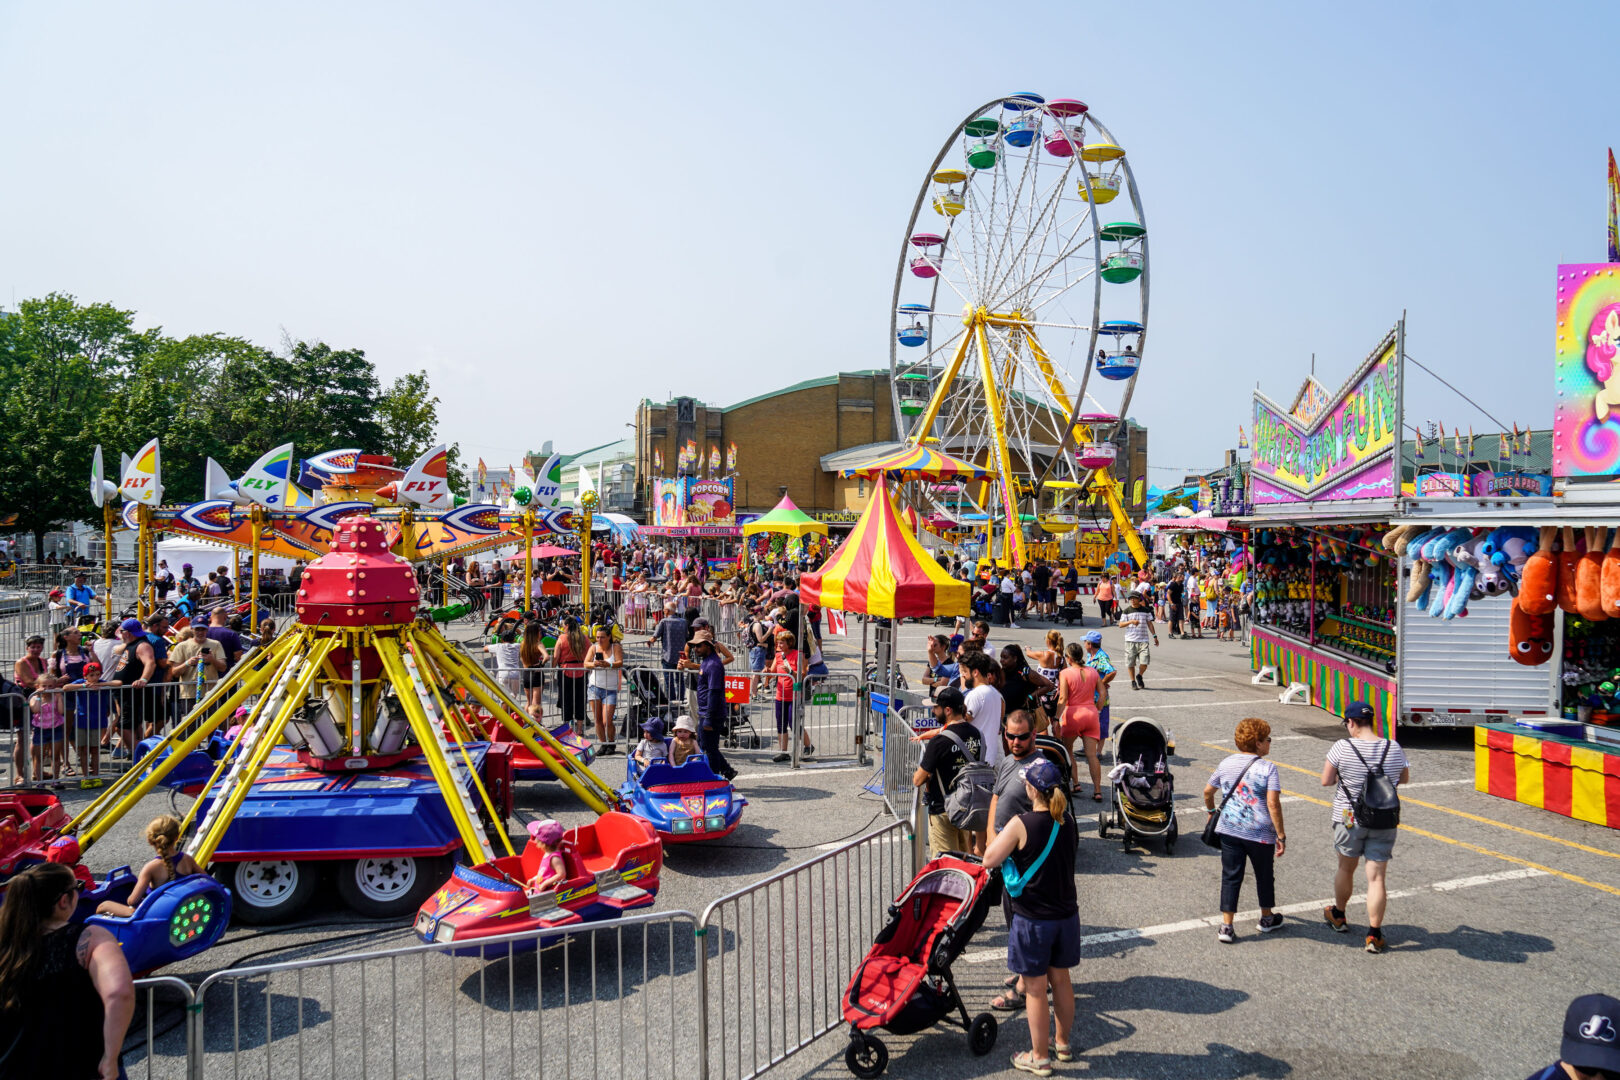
(917, 463)
(883, 570)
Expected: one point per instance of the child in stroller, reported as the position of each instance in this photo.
(904, 984)
(1143, 786)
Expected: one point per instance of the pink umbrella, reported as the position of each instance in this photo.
(543, 551)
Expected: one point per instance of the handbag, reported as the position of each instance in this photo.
(1209, 837)
(1015, 879)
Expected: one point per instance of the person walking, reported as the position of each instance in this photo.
(1079, 702)
(1250, 823)
(1137, 623)
(1043, 936)
(66, 991)
(711, 699)
(671, 635)
(1105, 600)
(1098, 661)
(941, 760)
(1351, 762)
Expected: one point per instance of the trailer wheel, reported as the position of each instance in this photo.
(388, 886)
(269, 890)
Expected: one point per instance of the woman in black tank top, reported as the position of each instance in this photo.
(66, 993)
(1043, 938)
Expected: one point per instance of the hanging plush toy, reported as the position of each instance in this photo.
(1529, 636)
(1412, 546)
(1538, 582)
(1609, 582)
(1442, 571)
(1589, 576)
(1569, 560)
(1464, 559)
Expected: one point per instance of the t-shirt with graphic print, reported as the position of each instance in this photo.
(1246, 815)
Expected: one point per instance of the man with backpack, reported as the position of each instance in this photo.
(1364, 770)
(954, 748)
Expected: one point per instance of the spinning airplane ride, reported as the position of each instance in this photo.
(1022, 275)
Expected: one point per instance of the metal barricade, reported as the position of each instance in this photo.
(831, 710)
(162, 1036)
(611, 999)
(96, 740)
(777, 956)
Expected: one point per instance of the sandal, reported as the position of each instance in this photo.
(1062, 1052)
(1026, 1061)
(1010, 983)
(1007, 1002)
(1096, 796)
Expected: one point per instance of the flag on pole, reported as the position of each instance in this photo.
(836, 626)
(1470, 442)
(1417, 444)
(482, 474)
(1514, 446)
(1456, 443)
(658, 459)
(1524, 446)
(714, 459)
(1136, 490)
(1614, 198)
(731, 457)
(1243, 438)
(1502, 452)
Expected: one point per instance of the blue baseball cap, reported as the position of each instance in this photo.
(132, 626)
(1592, 1033)
(1095, 637)
(1041, 775)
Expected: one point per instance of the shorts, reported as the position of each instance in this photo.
(1036, 945)
(1102, 722)
(1078, 723)
(1355, 841)
(46, 735)
(756, 658)
(602, 694)
(1137, 654)
(784, 716)
(943, 836)
(533, 679)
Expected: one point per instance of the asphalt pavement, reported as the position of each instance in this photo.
(1500, 914)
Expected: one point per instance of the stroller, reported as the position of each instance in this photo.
(904, 984)
(1073, 612)
(1144, 788)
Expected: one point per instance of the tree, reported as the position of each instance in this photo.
(408, 411)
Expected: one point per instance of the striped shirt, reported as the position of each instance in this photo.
(1353, 772)
(1246, 814)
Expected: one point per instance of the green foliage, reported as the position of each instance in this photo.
(73, 375)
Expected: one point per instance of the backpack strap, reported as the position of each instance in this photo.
(960, 745)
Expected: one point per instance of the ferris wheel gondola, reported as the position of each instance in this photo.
(1007, 231)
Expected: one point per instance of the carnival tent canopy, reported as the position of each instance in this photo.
(543, 551)
(883, 570)
(916, 463)
(787, 519)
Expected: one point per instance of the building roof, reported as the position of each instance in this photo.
(808, 384)
(854, 455)
(607, 452)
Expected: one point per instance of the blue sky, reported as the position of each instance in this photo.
(559, 209)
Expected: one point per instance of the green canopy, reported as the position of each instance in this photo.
(787, 519)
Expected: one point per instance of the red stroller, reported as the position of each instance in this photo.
(904, 984)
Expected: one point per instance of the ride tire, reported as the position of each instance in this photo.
(421, 876)
(866, 1057)
(253, 904)
(982, 1034)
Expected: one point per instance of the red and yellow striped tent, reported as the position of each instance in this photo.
(917, 463)
(883, 570)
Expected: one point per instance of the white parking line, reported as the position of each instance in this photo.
(1435, 783)
(1209, 922)
(1126, 705)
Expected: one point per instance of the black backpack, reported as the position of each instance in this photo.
(1377, 806)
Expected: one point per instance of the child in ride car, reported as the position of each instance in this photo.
(163, 833)
(651, 748)
(553, 867)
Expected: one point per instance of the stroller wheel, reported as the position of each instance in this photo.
(1170, 837)
(868, 1057)
(1102, 824)
(982, 1034)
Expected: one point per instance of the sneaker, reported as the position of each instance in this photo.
(1375, 941)
(1226, 935)
(1141, 683)
(1014, 626)
(1271, 922)
(809, 751)
(783, 756)
(1335, 919)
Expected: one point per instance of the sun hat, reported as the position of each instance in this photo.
(547, 832)
(653, 728)
(703, 637)
(1041, 775)
(685, 723)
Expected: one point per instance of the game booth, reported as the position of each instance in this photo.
(702, 516)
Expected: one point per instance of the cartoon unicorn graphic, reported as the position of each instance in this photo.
(1603, 342)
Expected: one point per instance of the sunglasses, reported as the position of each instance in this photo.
(1020, 737)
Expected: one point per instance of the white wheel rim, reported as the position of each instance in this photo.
(265, 884)
(386, 878)
(1025, 242)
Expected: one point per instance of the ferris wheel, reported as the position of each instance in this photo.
(1020, 308)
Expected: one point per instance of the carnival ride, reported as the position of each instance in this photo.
(684, 802)
(613, 865)
(1017, 269)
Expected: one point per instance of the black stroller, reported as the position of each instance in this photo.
(1143, 787)
(1073, 612)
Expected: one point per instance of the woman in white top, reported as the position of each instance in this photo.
(604, 662)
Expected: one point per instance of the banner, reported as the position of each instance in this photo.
(836, 626)
(731, 458)
(658, 459)
(1137, 490)
(1347, 452)
(714, 459)
(1586, 364)
(669, 509)
(709, 502)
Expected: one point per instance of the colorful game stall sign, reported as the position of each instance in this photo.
(1348, 452)
(669, 510)
(1586, 423)
(1503, 485)
(710, 503)
(1441, 484)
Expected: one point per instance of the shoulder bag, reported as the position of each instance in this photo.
(1209, 836)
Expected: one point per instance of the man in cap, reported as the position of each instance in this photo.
(1591, 1046)
(670, 636)
(79, 598)
(188, 580)
(941, 760)
(711, 698)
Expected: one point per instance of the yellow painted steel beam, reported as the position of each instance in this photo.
(455, 735)
(528, 559)
(930, 414)
(220, 818)
(117, 800)
(1012, 547)
(1104, 481)
(492, 696)
(472, 837)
